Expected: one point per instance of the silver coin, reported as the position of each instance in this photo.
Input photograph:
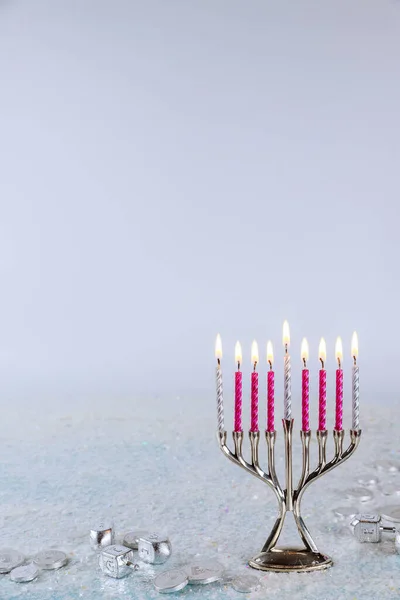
(246, 584)
(367, 480)
(387, 465)
(25, 573)
(358, 493)
(390, 513)
(50, 559)
(346, 512)
(9, 559)
(171, 581)
(390, 489)
(205, 571)
(131, 539)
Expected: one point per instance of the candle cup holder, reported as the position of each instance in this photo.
(288, 559)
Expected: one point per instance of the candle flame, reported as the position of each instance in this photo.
(339, 351)
(322, 351)
(286, 334)
(218, 348)
(304, 350)
(270, 353)
(354, 345)
(238, 353)
(254, 352)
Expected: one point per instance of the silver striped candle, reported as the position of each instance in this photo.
(220, 398)
(356, 399)
(287, 388)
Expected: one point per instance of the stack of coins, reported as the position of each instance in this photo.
(12, 561)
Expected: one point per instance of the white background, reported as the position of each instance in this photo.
(173, 169)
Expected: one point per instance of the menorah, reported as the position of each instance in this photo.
(271, 557)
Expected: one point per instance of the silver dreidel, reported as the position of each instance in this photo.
(154, 548)
(101, 535)
(116, 561)
(368, 528)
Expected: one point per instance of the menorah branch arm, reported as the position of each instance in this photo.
(237, 456)
(339, 457)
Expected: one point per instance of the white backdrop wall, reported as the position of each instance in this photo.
(172, 169)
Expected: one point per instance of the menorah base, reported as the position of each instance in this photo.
(294, 560)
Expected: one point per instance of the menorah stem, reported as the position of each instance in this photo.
(287, 430)
(276, 530)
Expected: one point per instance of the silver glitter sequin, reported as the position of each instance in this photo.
(358, 493)
(246, 584)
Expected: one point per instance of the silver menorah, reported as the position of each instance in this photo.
(288, 559)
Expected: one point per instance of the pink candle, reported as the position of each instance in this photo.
(238, 401)
(339, 400)
(254, 401)
(339, 386)
(305, 395)
(305, 388)
(322, 386)
(270, 400)
(322, 400)
(270, 389)
(238, 388)
(254, 388)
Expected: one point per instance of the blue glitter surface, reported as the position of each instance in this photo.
(70, 468)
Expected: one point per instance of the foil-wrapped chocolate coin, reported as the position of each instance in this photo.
(50, 559)
(171, 581)
(131, 539)
(390, 513)
(9, 559)
(204, 571)
(345, 512)
(25, 573)
(246, 584)
(358, 493)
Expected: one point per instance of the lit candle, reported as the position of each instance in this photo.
(356, 385)
(254, 387)
(287, 374)
(270, 389)
(339, 385)
(238, 388)
(220, 394)
(322, 386)
(305, 388)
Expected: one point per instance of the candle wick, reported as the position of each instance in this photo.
(339, 363)
(322, 363)
(305, 363)
(238, 365)
(286, 348)
(270, 365)
(255, 365)
(219, 362)
(355, 360)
